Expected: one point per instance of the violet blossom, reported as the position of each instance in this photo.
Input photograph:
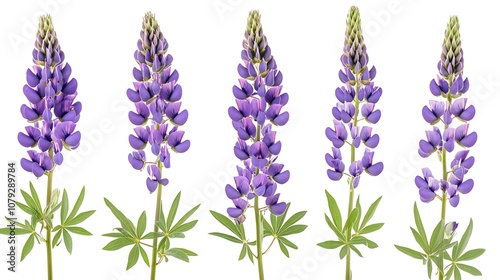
(158, 115)
(259, 108)
(356, 103)
(51, 110)
(449, 118)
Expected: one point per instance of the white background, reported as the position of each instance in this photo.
(403, 40)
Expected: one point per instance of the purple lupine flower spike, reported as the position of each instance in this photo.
(259, 106)
(356, 102)
(52, 109)
(450, 120)
(353, 116)
(156, 96)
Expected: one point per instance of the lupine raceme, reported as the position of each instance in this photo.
(157, 119)
(259, 111)
(52, 113)
(449, 117)
(354, 114)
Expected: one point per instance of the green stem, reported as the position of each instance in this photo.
(258, 226)
(258, 222)
(48, 238)
(443, 206)
(445, 177)
(351, 186)
(157, 217)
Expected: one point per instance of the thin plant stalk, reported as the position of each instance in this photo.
(48, 238)
(155, 230)
(258, 227)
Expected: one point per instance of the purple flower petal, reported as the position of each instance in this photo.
(426, 195)
(469, 140)
(58, 158)
(466, 186)
(278, 209)
(25, 140)
(231, 193)
(181, 118)
(234, 212)
(434, 88)
(334, 175)
(73, 140)
(454, 200)
(283, 177)
(182, 147)
(375, 169)
(31, 94)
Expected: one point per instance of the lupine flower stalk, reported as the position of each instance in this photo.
(450, 139)
(52, 113)
(449, 118)
(157, 119)
(354, 114)
(259, 109)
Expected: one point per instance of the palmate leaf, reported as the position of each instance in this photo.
(463, 241)
(133, 256)
(36, 200)
(471, 254)
(294, 229)
(144, 255)
(330, 244)
(268, 228)
(358, 220)
(239, 234)
(419, 225)
(457, 257)
(28, 246)
(285, 227)
(124, 221)
(17, 230)
(350, 220)
(355, 249)
(78, 230)
(334, 228)
(173, 211)
(178, 253)
(410, 252)
(227, 237)
(176, 230)
(283, 249)
(64, 206)
(79, 218)
(292, 220)
(371, 228)
(436, 237)
(370, 212)
(363, 241)
(469, 269)
(226, 222)
(68, 241)
(243, 252)
(334, 211)
(68, 222)
(118, 243)
(141, 224)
